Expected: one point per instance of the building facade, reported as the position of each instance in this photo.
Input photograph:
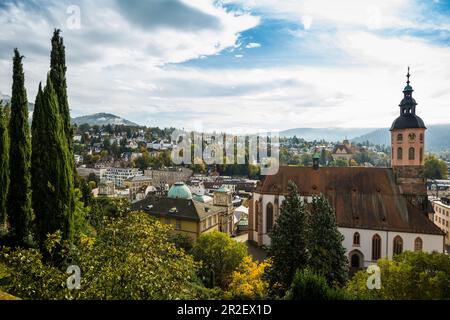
(188, 216)
(441, 218)
(168, 175)
(119, 175)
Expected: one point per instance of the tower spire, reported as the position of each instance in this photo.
(407, 76)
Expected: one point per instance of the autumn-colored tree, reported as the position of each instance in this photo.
(248, 282)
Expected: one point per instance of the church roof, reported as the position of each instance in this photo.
(408, 121)
(364, 198)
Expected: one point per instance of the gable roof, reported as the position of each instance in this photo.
(365, 198)
(176, 207)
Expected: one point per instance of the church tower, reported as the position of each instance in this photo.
(408, 147)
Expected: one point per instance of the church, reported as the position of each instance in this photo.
(379, 211)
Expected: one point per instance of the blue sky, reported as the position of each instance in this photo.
(238, 65)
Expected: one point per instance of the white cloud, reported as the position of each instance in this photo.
(253, 45)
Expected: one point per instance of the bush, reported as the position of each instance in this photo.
(308, 285)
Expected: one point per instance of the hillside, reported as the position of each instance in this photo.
(328, 134)
(102, 119)
(437, 137)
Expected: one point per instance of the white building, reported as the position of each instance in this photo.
(372, 214)
(119, 175)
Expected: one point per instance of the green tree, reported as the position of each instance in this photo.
(19, 193)
(435, 168)
(4, 165)
(130, 259)
(288, 249)
(51, 167)
(410, 275)
(327, 255)
(308, 285)
(220, 256)
(58, 78)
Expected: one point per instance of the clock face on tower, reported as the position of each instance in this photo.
(412, 136)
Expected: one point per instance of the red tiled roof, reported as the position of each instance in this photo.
(365, 198)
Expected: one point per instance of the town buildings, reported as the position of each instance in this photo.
(119, 175)
(188, 216)
(380, 211)
(137, 186)
(168, 176)
(441, 218)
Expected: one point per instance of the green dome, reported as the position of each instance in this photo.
(179, 191)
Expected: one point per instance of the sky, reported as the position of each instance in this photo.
(238, 65)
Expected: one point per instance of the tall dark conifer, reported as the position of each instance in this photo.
(288, 250)
(4, 165)
(58, 76)
(19, 193)
(51, 167)
(325, 243)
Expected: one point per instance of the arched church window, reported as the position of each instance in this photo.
(376, 247)
(356, 239)
(398, 245)
(421, 154)
(399, 154)
(411, 153)
(400, 137)
(418, 244)
(269, 217)
(421, 137)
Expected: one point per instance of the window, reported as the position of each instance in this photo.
(421, 137)
(178, 224)
(411, 154)
(398, 245)
(399, 154)
(418, 244)
(356, 239)
(376, 247)
(421, 154)
(400, 137)
(269, 217)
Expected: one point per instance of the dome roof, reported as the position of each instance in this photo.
(179, 191)
(408, 121)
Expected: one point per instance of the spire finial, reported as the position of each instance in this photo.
(408, 75)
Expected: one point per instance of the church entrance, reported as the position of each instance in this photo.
(356, 260)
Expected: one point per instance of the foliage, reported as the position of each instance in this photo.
(288, 250)
(327, 255)
(4, 165)
(219, 256)
(19, 193)
(308, 285)
(103, 208)
(339, 162)
(435, 168)
(410, 275)
(182, 241)
(248, 281)
(51, 168)
(130, 259)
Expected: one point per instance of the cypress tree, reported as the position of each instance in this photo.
(4, 165)
(51, 167)
(327, 255)
(58, 77)
(288, 249)
(19, 193)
